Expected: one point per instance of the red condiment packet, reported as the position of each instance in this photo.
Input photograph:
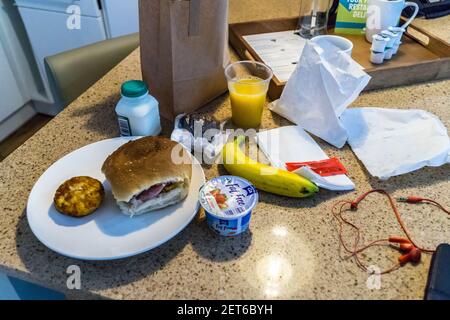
(324, 168)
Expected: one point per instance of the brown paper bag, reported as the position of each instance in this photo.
(184, 49)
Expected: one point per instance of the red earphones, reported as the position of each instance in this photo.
(411, 252)
(412, 256)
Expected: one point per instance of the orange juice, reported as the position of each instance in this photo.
(248, 97)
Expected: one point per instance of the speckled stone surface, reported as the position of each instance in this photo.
(291, 250)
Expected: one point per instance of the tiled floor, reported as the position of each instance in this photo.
(22, 134)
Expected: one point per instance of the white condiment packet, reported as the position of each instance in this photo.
(293, 144)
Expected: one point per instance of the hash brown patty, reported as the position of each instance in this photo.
(79, 196)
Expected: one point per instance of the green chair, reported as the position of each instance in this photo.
(72, 72)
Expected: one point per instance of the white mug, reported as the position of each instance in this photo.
(342, 43)
(382, 14)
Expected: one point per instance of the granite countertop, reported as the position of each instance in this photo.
(292, 248)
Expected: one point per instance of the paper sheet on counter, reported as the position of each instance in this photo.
(293, 144)
(391, 142)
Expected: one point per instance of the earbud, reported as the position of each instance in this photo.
(413, 256)
(395, 239)
(406, 247)
(412, 253)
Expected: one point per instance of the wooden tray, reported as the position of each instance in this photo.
(422, 56)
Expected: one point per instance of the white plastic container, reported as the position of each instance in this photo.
(376, 57)
(379, 42)
(228, 202)
(137, 111)
(388, 53)
(395, 48)
(399, 31)
(391, 35)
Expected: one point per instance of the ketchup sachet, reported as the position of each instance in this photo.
(324, 168)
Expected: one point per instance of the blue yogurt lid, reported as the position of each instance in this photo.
(228, 197)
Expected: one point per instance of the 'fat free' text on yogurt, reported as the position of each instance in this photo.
(228, 202)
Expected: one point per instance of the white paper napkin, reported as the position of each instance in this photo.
(293, 144)
(390, 142)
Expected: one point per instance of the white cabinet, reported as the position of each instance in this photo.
(53, 37)
(19, 79)
(46, 25)
(89, 8)
(11, 96)
(48, 33)
(121, 17)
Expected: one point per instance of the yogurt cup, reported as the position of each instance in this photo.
(228, 202)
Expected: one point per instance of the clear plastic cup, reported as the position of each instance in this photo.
(248, 83)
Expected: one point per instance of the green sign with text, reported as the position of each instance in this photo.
(351, 17)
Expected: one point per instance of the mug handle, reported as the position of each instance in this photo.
(414, 15)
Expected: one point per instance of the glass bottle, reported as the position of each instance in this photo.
(313, 19)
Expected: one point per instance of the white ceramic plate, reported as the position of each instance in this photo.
(106, 234)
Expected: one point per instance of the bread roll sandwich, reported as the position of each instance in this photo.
(144, 177)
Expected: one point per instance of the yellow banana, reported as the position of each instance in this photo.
(265, 177)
